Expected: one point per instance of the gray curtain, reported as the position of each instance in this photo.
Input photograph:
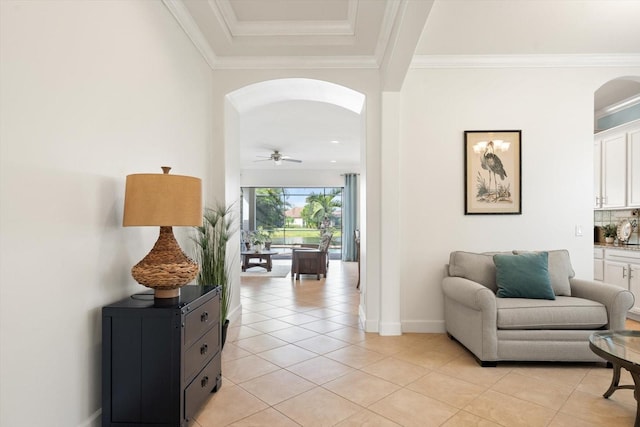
(349, 216)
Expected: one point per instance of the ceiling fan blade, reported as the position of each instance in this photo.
(262, 160)
(291, 160)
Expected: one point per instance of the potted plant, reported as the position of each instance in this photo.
(257, 239)
(609, 231)
(264, 237)
(211, 241)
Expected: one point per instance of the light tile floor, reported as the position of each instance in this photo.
(297, 357)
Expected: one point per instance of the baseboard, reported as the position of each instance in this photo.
(368, 325)
(94, 420)
(235, 313)
(390, 328)
(423, 326)
(633, 315)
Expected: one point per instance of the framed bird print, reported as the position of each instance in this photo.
(493, 166)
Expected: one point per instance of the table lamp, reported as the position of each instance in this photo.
(163, 200)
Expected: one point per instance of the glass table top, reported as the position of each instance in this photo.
(621, 344)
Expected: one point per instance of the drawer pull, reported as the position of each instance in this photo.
(204, 349)
(204, 381)
(204, 316)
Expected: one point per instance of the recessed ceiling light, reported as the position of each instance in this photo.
(333, 161)
(335, 141)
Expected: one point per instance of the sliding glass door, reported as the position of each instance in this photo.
(293, 216)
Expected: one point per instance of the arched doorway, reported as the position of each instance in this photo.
(318, 122)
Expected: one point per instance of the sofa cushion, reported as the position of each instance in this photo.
(523, 276)
(478, 267)
(560, 271)
(561, 313)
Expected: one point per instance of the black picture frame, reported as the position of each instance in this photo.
(493, 172)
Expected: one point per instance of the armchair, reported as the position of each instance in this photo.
(496, 328)
(311, 259)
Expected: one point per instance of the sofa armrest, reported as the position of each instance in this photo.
(470, 316)
(469, 293)
(617, 300)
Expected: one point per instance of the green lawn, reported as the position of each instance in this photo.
(300, 235)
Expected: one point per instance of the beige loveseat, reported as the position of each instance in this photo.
(524, 329)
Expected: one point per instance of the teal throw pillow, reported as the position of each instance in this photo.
(523, 276)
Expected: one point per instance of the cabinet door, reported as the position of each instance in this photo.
(597, 174)
(598, 269)
(633, 170)
(634, 284)
(616, 273)
(614, 171)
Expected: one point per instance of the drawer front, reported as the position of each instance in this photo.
(201, 387)
(201, 352)
(200, 320)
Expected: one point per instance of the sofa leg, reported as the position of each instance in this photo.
(482, 363)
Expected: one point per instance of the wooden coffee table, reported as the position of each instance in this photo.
(622, 349)
(264, 259)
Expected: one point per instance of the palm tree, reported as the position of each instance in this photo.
(270, 206)
(321, 206)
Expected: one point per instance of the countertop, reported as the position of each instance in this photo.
(617, 246)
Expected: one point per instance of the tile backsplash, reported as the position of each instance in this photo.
(603, 217)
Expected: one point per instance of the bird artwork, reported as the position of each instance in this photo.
(490, 162)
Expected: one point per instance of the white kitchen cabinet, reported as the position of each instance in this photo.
(614, 171)
(597, 173)
(616, 167)
(598, 264)
(622, 268)
(633, 168)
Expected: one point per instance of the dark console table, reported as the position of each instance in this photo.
(160, 358)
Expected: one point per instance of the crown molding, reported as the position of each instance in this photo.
(236, 28)
(526, 61)
(384, 38)
(297, 62)
(191, 29)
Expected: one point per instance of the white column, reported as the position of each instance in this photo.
(389, 267)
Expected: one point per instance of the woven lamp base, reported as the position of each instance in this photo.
(166, 268)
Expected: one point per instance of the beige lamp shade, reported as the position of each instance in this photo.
(162, 199)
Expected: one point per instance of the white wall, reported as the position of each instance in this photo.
(554, 109)
(90, 92)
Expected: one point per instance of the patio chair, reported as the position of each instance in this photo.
(311, 259)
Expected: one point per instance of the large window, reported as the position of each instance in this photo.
(294, 216)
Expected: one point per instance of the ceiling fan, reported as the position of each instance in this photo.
(278, 158)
